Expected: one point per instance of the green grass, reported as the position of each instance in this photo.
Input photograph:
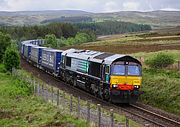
(162, 89)
(2, 68)
(117, 117)
(174, 53)
(20, 108)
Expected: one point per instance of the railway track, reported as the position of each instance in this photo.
(164, 118)
(134, 112)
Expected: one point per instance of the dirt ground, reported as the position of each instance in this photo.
(127, 49)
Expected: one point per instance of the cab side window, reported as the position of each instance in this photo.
(107, 70)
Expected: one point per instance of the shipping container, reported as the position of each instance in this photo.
(51, 60)
(27, 50)
(36, 54)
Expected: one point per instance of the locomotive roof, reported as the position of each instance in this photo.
(98, 57)
(81, 54)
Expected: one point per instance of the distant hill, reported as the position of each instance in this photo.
(36, 17)
(45, 13)
(154, 18)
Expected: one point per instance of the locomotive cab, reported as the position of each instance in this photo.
(125, 80)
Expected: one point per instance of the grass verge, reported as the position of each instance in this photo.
(19, 107)
(162, 89)
(174, 53)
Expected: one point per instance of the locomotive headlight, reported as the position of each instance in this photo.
(114, 85)
(136, 87)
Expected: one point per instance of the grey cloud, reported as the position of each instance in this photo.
(89, 5)
(3, 3)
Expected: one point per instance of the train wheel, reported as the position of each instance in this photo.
(106, 94)
(75, 82)
(71, 81)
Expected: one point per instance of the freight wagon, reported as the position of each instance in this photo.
(36, 55)
(51, 59)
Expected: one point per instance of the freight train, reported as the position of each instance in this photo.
(112, 77)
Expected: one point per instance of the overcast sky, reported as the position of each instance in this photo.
(90, 5)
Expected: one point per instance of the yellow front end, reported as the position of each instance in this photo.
(123, 81)
(125, 89)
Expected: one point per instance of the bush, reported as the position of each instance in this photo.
(161, 60)
(61, 42)
(11, 59)
(178, 33)
(81, 37)
(2, 68)
(51, 40)
(5, 41)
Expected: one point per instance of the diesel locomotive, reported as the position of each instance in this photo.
(112, 77)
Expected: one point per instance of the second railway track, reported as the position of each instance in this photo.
(134, 112)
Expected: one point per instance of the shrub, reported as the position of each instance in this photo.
(5, 41)
(178, 33)
(11, 59)
(161, 60)
(2, 68)
(51, 40)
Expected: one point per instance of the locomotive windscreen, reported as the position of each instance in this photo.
(130, 70)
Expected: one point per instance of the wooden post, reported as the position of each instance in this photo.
(47, 94)
(178, 65)
(13, 71)
(38, 89)
(88, 112)
(70, 103)
(127, 121)
(99, 115)
(57, 97)
(63, 94)
(42, 91)
(34, 87)
(52, 94)
(78, 108)
(112, 118)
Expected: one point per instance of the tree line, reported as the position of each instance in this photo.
(112, 27)
(81, 37)
(68, 30)
(66, 34)
(63, 19)
(65, 30)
